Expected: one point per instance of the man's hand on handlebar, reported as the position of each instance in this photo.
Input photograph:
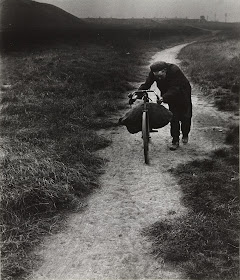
(132, 97)
(131, 101)
(138, 94)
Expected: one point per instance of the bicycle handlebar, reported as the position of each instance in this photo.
(136, 95)
(144, 91)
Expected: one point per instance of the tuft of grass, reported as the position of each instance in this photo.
(58, 100)
(214, 65)
(232, 136)
(204, 243)
(199, 245)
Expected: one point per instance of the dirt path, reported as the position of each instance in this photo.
(105, 241)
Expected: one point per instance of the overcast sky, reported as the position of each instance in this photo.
(151, 8)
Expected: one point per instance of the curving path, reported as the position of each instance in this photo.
(105, 241)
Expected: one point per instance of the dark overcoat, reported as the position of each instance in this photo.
(175, 90)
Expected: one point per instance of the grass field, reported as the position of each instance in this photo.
(204, 244)
(214, 64)
(60, 94)
(58, 98)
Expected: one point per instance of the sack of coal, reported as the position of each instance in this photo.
(133, 119)
(159, 116)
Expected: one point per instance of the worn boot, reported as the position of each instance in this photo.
(174, 146)
(185, 139)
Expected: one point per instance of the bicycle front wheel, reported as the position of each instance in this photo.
(145, 136)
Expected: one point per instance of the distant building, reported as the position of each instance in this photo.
(202, 19)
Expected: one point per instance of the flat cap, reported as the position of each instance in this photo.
(158, 66)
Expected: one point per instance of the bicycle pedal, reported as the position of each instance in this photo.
(153, 130)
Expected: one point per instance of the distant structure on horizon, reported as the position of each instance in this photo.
(202, 19)
(226, 17)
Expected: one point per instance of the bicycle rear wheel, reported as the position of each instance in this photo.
(145, 136)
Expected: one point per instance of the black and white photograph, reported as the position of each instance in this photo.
(119, 139)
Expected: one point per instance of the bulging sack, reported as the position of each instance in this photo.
(159, 116)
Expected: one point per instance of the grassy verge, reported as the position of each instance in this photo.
(204, 243)
(60, 95)
(214, 64)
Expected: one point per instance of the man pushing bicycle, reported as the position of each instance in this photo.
(176, 92)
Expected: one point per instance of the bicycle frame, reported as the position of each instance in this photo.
(145, 128)
(143, 94)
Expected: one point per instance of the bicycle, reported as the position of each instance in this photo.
(143, 94)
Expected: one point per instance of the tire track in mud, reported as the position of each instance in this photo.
(105, 241)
